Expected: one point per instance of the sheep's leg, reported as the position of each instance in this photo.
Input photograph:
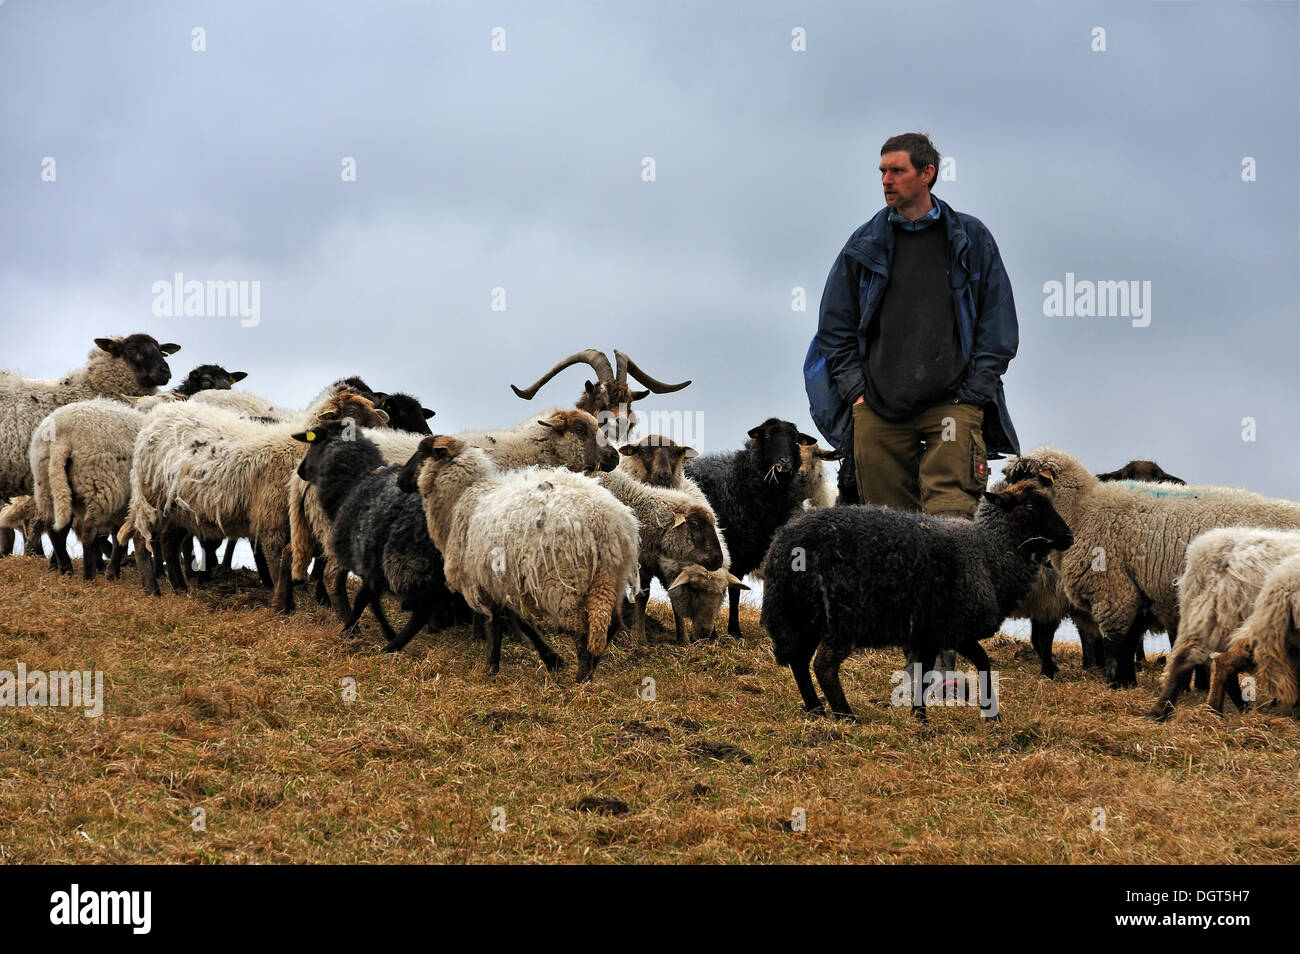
(550, 659)
(638, 614)
(826, 664)
(419, 616)
(988, 704)
(144, 562)
(90, 562)
(33, 545)
(1233, 687)
(228, 557)
(114, 571)
(586, 661)
(7, 538)
(1122, 653)
(336, 582)
(172, 542)
(1202, 676)
(377, 608)
(282, 597)
(1041, 634)
(812, 703)
(263, 567)
(733, 617)
(317, 576)
(59, 540)
(1178, 675)
(492, 627)
(680, 627)
(1239, 656)
(351, 630)
(480, 627)
(209, 558)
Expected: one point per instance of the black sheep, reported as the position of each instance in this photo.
(752, 492)
(208, 377)
(379, 533)
(861, 576)
(404, 412)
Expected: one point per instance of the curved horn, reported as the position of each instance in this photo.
(658, 387)
(599, 363)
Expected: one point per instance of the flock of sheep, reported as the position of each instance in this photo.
(563, 520)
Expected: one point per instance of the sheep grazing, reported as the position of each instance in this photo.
(609, 398)
(1144, 471)
(1131, 544)
(543, 541)
(20, 514)
(677, 530)
(116, 367)
(847, 577)
(379, 531)
(206, 471)
(1226, 571)
(1266, 642)
(752, 492)
(656, 460)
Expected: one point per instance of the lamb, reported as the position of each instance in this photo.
(116, 367)
(752, 492)
(557, 438)
(206, 471)
(863, 576)
(379, 532)
(1267, 642)
(1131, 544)
(1226, 571)
(813, 488)
(677, 530)
(545, 541)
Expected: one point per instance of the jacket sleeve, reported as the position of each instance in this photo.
(837, 328)
(997, 333)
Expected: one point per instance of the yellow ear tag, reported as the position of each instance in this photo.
(138, 400)
(1046, 476)
(311, 436)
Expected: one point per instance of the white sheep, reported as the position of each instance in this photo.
(1267, 642)
(1226, 570)
(206, 471)
(116, 367)
(543, 542)
(1130, 543)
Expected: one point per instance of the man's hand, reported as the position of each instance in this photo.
(857, 402)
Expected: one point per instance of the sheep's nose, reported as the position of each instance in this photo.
(714, 563)
(608, 459)
(783, 466)
(1069, 540)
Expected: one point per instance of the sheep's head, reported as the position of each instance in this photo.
(699, 525)
(435, 454)
(208, 377)
(656, 460)
(811, 467)
(696, 594)
(1050, 468)
(774, 448)
(1034, 524)
(318, 439)
(405, 413)
(348, 405)
(577, 441)
(1144, 471)
(143, 355)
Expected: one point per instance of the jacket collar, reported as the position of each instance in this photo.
(874, 243)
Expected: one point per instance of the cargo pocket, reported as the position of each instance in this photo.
(976, 472)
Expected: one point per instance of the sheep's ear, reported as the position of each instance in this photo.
(170, 347)
(733, 580)
(753, 432)
(1046, 477)
(689, 453)
(427, 413)
(1002, 500)
(237, 376)
(830, 454)
(627, 450)
(805, 440)
(678, 520)
(682, 580)
(410, 472)
(382, 415)
(305, 437)
(109, 345)
(545, 422)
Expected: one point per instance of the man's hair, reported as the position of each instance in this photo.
(918, 148)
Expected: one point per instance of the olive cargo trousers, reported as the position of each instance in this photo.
(935, 462)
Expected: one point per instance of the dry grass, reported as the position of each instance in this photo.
(213, 704)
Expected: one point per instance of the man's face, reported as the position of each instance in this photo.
(902, 184)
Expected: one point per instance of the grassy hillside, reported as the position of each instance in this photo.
(211, 703)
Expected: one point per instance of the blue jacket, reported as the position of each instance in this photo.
(982, 302)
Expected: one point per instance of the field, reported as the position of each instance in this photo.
(212, 704)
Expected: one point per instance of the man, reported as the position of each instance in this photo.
(917, 328)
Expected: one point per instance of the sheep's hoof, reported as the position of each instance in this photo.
(1161, 711)
(1050, 673)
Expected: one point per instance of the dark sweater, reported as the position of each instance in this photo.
(914, 358)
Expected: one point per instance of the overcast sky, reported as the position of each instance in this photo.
(523, 170)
